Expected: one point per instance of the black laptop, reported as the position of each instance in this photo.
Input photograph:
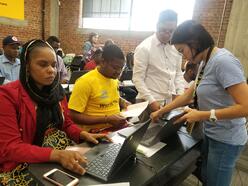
(164, 129)
(2, 80)
(76, 74)
(111, 159)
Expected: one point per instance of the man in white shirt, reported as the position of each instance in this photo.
(157, 71)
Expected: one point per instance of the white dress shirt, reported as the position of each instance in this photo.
(157, 71)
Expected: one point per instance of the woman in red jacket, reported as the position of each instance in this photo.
(34, 122)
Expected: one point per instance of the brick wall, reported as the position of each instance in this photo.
(31, 27)
(208, 12)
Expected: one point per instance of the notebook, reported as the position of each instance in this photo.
(2, 80)
(109, 160)
(164, 129)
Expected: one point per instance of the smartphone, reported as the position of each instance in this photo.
(60, 178)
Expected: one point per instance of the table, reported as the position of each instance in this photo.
(141, 170)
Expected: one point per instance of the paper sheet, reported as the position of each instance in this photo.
(66, 86)
(114, 184)
(128, 83)
(149, 151)
(134, 110)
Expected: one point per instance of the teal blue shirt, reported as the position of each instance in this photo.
(223, 70)
(8, 69)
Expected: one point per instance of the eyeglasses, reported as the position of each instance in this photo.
(168, 31)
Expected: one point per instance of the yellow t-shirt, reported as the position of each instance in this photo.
(95, 95)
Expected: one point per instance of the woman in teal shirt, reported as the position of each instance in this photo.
(221, 102)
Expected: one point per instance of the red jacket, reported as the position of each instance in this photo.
(16, 137)
(91, 65)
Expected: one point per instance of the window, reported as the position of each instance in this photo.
(132, 15)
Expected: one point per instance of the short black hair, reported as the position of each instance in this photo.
(52, 39)
(194, 35)
(167, 15)
(111, 52)
(108, 42)
(190, 66)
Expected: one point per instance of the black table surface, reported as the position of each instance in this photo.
(138, 171)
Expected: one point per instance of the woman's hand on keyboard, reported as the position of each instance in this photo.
(93, 138)
(70, 160)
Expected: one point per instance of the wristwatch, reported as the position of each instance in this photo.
(212, 116)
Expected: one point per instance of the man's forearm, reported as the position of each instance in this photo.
(84, 119)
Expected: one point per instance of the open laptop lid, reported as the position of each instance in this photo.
(164, 129)
(2, 80)
(133, 135)
(174, 113)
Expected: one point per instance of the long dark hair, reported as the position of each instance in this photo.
(91, 35)
(47, 99)
(194, 35)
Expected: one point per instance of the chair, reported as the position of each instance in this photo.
(129, 60)
(77, 63)
(76, 74)
(126, 75)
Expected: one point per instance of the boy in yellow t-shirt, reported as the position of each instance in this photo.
(94, 103)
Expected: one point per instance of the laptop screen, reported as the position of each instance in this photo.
(133, 137)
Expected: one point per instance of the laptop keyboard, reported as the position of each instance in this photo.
(102, 164)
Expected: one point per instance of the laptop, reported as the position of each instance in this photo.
(2, 80)
(164, 129)
(110, 159)
(76, 74)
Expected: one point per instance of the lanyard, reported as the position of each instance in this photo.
(200, 75)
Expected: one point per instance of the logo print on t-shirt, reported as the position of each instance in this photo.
(104, 94)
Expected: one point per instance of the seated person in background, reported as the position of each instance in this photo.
(96, 58)
(128, 92)
(34, 121)
(90, 46)
(109, 42)
(9, 63)
(63, 74)
(189, 75)
(94, 102)
(60, 52)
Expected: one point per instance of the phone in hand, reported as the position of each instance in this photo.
(60, 178)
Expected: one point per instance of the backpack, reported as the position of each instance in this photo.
(77, 63)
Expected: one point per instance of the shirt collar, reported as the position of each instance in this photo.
(157, 42)
(6, 60)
